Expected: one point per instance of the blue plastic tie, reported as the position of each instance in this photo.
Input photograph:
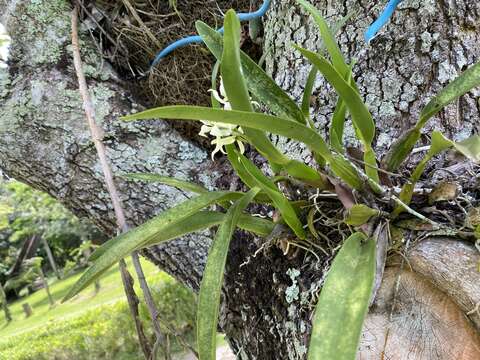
(383, 19)
(196, 39)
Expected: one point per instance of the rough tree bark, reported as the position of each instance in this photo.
(267, 302)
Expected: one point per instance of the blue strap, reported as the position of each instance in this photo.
(382, 20)
(197, 39)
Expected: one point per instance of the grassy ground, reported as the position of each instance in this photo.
(96, 326)
(111, 291)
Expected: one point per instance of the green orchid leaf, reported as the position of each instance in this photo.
(156, 178)
(338, 126)
(273, 124)
(196, 222)
(307, 93)
(215, 103)
(305, 173)
(343, 302)
(211, 286)
(439, 144)
(360, 214)
(236, 88)
(231, 67)
(345, 171)
(467, 81)
(268, 123)
(361, 117)
(338, 120)
(470, 148)
(370, 161)
(263, 88)
(329, 41)
(135, 238)
(400, 149)
(278, 199)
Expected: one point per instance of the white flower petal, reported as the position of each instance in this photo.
(222, 89)
(204, 130)
(241, 147)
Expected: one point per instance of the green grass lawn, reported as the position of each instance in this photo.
(111, 291)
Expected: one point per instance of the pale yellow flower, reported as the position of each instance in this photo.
(225, 134)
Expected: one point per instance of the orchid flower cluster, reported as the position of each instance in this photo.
(225, 134)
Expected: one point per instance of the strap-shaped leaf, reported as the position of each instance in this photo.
(259, 83)
(132, 239)
(210, 289)
(236, 88)
(216, 68)
(343, 302)
(370, 161)
(305, 173)
(400, 149)
(467, 81)
(328, 39)
(268, 123)
(231, 67)
(272, 124)
(307, 93)
(338, 121)
(360, 214)
(196, 222)
(278, 199)
(156, 178)
(361, 117)
(345, 171)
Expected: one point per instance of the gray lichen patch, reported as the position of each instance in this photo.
(292, 292)
(44, 25)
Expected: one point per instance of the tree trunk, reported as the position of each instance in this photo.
(3, 300)
(45, 285)
(51, 259)
(268, 298)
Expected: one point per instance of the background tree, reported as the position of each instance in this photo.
(44, 143)
(3, 299)
(26, 214)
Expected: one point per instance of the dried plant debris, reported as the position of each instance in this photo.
(131, 32)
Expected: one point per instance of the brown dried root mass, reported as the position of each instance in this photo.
(138, 29)
(131, 32)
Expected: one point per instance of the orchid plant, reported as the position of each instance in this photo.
(233, 120)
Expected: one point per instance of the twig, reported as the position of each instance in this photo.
(180, 338)
(97, 136)
(133, 303)
(140, 22)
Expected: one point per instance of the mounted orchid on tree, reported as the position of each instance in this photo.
(369, 202)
